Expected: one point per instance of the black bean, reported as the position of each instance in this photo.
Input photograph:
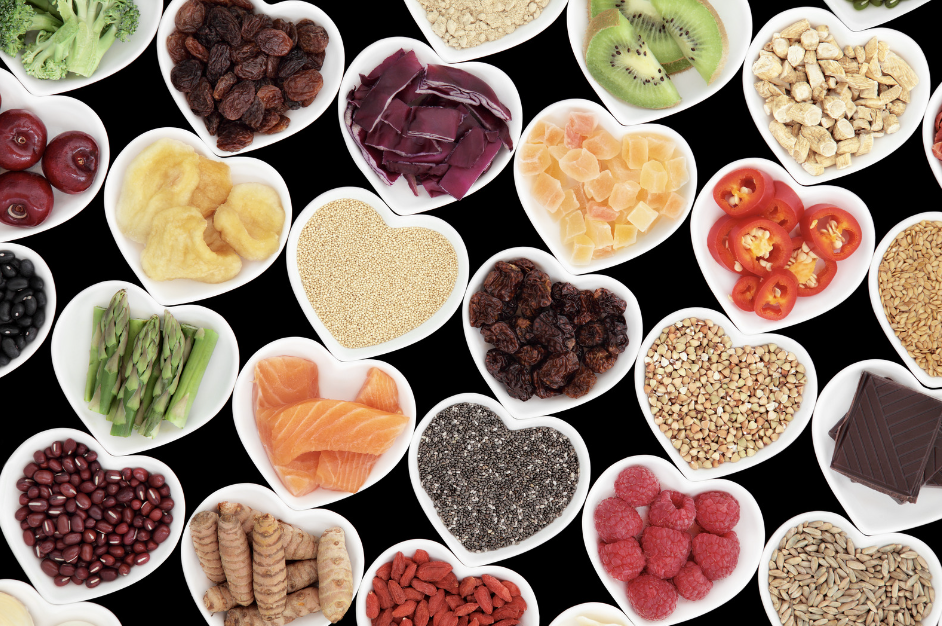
(15, 262)
(8, 270)
(20, 342)
(36, 282)
(3, 282)
(4, 360)
(9, 330)
(22, 295)
(17, 311)
(25, 322)
(6, 256)
(39, 318)
(8, 295)
(26, 268)
(5, 311)
(8, 346)
(31, 333)
(17, 283)
(31, 306)
(41, 298)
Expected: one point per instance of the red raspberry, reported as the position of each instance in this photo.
(665, 549)
(691, 583)
(672, 509)
(623, 560)
(615, 520)
(717, 512)
(637, 485)
(652, 598)
(717, 556)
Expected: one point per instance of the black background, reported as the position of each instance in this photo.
(719, 130)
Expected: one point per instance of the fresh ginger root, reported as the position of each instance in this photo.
(245, 514)
(299, 545)
(335, 574)
(269, 574)
(236, 558)
(206, 543)
(299, 604)
(301, 574)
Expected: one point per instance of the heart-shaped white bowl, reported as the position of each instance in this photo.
(45, 614)
(336, 380)
(242, 169)
(72, 340)
(901, 44)
(548, 228)
(438, 552)
(802, 417)
(261, 499)
(292, 10)
(418, 333)
(546, 262)
(605, 614)
(873, 285)
(871, 512)
(119, 56)
(9, 501)
(928, 131)
(737, 20)
(871, 16)
(398, 196)
(49, 287)
(476, 559)
(750, 530)
(850, 273)
(860, 541)
(59, 114)
(520, 35)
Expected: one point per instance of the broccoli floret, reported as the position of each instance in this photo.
(17, 18)
(49, 6)
(100, 23)
(46, 57)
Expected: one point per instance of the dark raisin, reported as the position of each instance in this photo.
(509, 311)
(617, 339)
(270, 96)
(248, 50)
(554, 331)
(226, 25)
(200, 99)
(254, 23)
(212, 122)
(294, 62)
(534, 293)
(483, 309)
(239, 13)
(190, 16)
(208, 36)
(186, 75)
(503, 281)
(557, 368)
(238, 100)
(588, 309)
(291, 105)
(609, 303)
(581, 383)
(226, 82)
(253, 69)
(591, 334)
(196, 49)
(525, 264)
(279, 126)
(516, 378)
(274, 42)
(218, 63)
(272, 70)
(254, 115)
(524, 329)
(317, 60)
(287, 28)
(271, 118)
(540, 390)
(529, 355)
(565, 299)
(176, 46)
(599, 359)
(500, 336)
(495, 361)
(234, 136)
(312, 38)
(242, 4)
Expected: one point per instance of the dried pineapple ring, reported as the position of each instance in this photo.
(213, 188)
(178, 248)
(251, 220)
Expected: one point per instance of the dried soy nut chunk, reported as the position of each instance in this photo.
(251, 220)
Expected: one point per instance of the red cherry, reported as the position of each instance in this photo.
(71, 161)
(25, 198)
(22, 139)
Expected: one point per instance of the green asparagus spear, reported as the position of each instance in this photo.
(92, 376)
(204, 342)
(111, 348)
(170, 364)
(134, 328)
(137, 374)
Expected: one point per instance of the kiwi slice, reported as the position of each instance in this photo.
(622, 63)
(647, 22)
(698, 30)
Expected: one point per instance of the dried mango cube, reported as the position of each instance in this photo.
(674, 207)
(579, 193)
(603, 146)
(600, 232)
(558, 151)
(624, 195)
(660, 148)
(573, 139)
(654, 177)
(554, 171)
(534, 158)
(580, 164)
(657, 200)
(635, 151)
(548, 192)
(537, 132)
(632, 176)
(625, 235)
(601, 253)
(602, 212)
(553, 134)
(582, 249)
(642, 216)
(582, 123)
(600, 188)
(572, 226)
(570, 203)
(677, 171)
(618, 168)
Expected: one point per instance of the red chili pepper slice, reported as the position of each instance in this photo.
(832, 233)
(776, 296)
(744, 192)
(786, 208)
(760, 245)
(744, 292)
(718, 244)
(812, 272)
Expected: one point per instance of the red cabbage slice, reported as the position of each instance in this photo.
(467, 122)
(440, 157)
(416, 146)
(383, 137)
(469, 149)
(456, 84)
(380, 69)
(458, 180)
(370, 155)
(412, 184)
(397, 114)
(491, 122)
(433, 187)
(434, 123)
(393, 80)
(409, 95)
(417, 169)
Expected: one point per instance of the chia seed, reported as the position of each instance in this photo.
(491, 486)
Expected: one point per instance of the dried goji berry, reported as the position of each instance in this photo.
(408, 575)
(427, 588)
(449, 582)
(449, 619)
(413, 594)
(405, 622)
(420, 556)
(507, 612)
(421, 613)
(372, 605)
(483, 597)
(483, 618)
(433, 570)
(466, 609)
(396, 592)
(463, 620)
(466, 588)
(497, 601)
(436, 602)
(405, 609)
(399, 561)
(385, 618)
(512, 588)
(382, 592)
(474, 622)
(384, 570)
(497, 587)
(507, 622)
(453, 601)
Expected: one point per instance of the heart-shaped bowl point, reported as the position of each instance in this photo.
(476, 559)
(520, 35)
(785, 439)
(872, 15)
(242, 170)
(337, 380)
(872, 512)
(737, 21)
(59, 114)
(9, 502)
(438, 552)
(261, 499)
(750, 530)
(873, 285)
(71, 342)
(557, 273)
(850, 273)
(928, 132)
(548, 225)
(291, 10)
(394, 221)
(860, 541)
(119, 55)
(605, 614)
(398, 196)
(901, 44)
(46, 614)
(49, 287)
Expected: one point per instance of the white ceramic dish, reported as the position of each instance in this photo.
(850, 273)
(72, 340)
(59, 114)
(438, 552)
(605, 614)
(9, 501)
(242, 169)
(45, 614)
(739, 339)
(737, 20)
(871, 512)
(262, 499)
(418, 333)
(546, 262)
(928, 131)
(873, 286)
(860, 541)
(119, 55)
(750, 530)
(520, 35)
(901, 44)
(337, 380)
(871, 16)
(292, 10)
(548, 227)
(49, 287)
(476, 559)
(398, 196)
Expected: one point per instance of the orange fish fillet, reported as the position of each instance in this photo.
(344, 471)
(379, 391)
(300, 475)
(280, 381)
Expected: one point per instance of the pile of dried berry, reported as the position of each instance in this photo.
(549, 338)
(243, 71)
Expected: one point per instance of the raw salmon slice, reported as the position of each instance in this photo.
(280, 381)
(344, 471)
(379, 391)
(300, 475)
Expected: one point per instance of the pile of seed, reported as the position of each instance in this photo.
(369, 283)
(491, 486)
(910, 280)
(817, 577)
(469, 23)
(718, 403)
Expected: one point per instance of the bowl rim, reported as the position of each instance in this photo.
(49, 287)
